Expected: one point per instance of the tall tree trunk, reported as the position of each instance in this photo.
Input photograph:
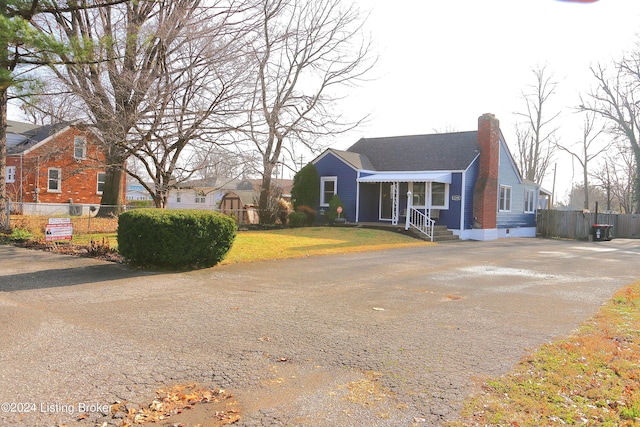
(265, 214)
(112, 195)
(4, 211)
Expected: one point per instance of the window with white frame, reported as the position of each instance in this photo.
(10, 176)
(439, 197)
(529, 200)
(54, 180)
(328, 188)
(505, 198)
(178, 197)
(419, 194)
(102, 177)
(79, 148)
(200, 197)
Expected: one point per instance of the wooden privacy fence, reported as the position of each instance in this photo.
(577, 224)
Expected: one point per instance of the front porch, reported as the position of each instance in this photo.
(440, 232)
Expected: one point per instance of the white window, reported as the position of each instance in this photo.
(529, 198)
(201, 197)
(178, 197)
(505, 198)
(79, 148)
(328, 188)
(439, 195)
(10, 176)
(102, 177)
(54, 180)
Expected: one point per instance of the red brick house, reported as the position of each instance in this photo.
(59, 163)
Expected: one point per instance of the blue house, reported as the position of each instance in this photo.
(465, 181)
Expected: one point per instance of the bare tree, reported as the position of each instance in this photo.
(119, 54)
(197, 99)
(535, 135)
(23, 47)
(617, 100)
(304, 51)
(53, 105)
(585, 150)
(617, 177)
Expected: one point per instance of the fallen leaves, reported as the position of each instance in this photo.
(175, 400)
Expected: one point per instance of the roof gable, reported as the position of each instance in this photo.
(355, 160)
(447, 151)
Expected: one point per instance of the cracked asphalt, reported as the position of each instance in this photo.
(389, 338)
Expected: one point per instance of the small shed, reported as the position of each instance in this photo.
(241, 205)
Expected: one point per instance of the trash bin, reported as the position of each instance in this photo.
(602, 232)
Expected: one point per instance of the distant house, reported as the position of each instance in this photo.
(60, 163)
(467, 182)
(209, 193)
(136, 191)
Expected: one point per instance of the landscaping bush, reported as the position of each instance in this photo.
(310, 213)
(297, 219)
(306, 187)
(332, 212)
(174, 239)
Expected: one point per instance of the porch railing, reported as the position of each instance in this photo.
(421, 222)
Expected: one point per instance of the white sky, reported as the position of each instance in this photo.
(443, 63)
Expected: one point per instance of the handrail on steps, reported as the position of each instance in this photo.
(421, 221)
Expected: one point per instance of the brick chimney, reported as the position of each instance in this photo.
(485, 193)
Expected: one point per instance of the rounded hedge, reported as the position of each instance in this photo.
(297, 219)
(175, 238)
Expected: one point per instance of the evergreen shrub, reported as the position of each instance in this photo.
(332, 212)
(297, 219)
(309, 212)
(175, 239)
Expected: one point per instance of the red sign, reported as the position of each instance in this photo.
(55, 232)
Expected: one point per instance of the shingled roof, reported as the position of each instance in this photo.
(22, 136)
(447, 151)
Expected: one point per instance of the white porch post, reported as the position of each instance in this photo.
(409, 206)
(395, 202)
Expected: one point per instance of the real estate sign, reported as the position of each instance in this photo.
(58, 229)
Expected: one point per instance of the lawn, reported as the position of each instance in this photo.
(590, 378)
(249, 246)
(252, 246)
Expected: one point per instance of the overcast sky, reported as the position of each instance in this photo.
(443, 63)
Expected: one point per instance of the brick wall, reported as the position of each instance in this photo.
(78, 177)
(485, 195)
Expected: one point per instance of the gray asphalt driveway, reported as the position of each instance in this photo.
(389, 338)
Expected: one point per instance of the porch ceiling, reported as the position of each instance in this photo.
(443, 177)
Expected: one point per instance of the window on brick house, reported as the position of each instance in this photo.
(79, 148)
(102, 177)
(10, 176)
(54, 181)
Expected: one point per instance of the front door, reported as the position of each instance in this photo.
(389, 201)
(386, 205)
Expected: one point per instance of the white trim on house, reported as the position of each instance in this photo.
(323, 180)
(444, 177)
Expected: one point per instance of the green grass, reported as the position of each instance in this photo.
(251, 246)
(590, 378)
